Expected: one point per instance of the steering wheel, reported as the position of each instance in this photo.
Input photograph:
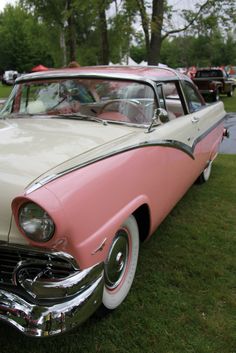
(135, 116)
(51, 109)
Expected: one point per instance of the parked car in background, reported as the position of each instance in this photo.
(232, 78)
(92, 160)
(212, 82)
(9, 77)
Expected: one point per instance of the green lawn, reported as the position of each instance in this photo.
(5, 90)
(230, 102)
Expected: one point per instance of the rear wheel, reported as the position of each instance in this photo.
(121, 264)
(205, 175)
(216, 96)
(230, 93)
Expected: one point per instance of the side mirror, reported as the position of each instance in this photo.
(160, 117)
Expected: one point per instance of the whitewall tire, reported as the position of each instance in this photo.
(205, 175)
(121, 263)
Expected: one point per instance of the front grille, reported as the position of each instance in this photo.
(34, 263)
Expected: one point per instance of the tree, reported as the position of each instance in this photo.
(55, 15)
(21, 45)
(187, 50)
(69, 16)
(102, 24)
(159, 25)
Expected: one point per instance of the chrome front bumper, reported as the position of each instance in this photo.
(82, 296)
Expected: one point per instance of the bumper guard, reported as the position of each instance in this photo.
(47, 320)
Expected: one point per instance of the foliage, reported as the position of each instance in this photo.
(96, 32)
(216, 14)
(121, 23)
(24, 42)
(159, 24)
(185, 51)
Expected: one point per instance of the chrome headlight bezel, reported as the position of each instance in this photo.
(35, 222)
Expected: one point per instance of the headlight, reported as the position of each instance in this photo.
(35, 222)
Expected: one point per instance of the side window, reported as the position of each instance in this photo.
(161, 96)
(172, 100)
(193, 99)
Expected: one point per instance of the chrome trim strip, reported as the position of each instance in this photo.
(91, 75)
(164, 143)
(189, 150)
(48, 320)
(205, 133)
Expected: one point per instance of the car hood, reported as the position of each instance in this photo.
(32, 147)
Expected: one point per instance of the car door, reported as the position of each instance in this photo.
(205, 119)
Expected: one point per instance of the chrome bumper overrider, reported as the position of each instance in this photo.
(74, 307)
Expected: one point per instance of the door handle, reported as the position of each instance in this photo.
(195, 119)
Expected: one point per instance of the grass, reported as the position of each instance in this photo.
(5, 90)
(183, 299)
(229, 102)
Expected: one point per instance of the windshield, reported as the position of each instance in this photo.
(110, 100)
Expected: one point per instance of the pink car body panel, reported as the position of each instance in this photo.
(121, 183)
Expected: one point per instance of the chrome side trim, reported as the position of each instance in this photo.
(48, 320)
(163, 143)
(100, 247)
(189, 150)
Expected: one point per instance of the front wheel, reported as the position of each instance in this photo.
(121, 263)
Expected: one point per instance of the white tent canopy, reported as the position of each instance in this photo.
(127, 60)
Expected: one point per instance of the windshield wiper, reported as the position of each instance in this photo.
(80, 116)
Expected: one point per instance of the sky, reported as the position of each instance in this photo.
(181, 4)
(4, 2)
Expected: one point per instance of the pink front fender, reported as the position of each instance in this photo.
(89, 204)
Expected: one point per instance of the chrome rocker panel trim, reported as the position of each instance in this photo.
(48, 320)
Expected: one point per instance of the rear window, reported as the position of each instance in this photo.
(209, 73)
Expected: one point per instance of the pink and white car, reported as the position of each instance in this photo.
(92, 160)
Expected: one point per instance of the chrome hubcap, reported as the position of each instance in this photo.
(117, 260)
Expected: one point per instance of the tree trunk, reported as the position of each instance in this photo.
(71, 32)
(104, 34)
(156, 28)
(63, 47)
(145, 24)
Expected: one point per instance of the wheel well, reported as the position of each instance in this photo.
(142, 216)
